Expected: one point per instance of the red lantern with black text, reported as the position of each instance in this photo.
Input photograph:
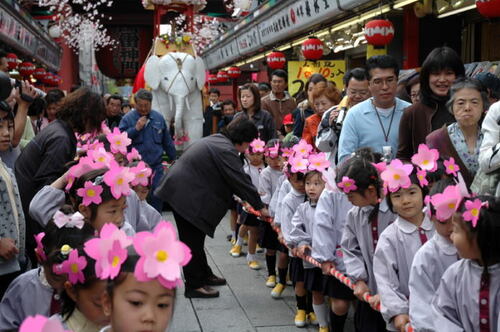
(488, 8)
(47, 79)
(39, 73)
(212, 79)
(11, 61)
(234, 72)
(379, 32)
(276, 60)
(56, 80)
(312, 48)
(26, 69)
(222, 76)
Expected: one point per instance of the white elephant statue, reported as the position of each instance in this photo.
(177, 79)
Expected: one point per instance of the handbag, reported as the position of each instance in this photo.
(487, 184)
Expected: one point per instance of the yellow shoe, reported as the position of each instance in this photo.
(277, 291)
(324, 329)
(300, 318)
(312, 319)
(254, 265)
(271, 281)
(235, 251)
(233, 241)
(259, 249)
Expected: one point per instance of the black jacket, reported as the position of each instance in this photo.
(201, 183)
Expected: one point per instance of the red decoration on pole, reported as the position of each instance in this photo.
(222, 76)
(212, 79)
(488, 8)
(26, 69)
(276, 60)
(312, 48)
(379, 32)
(234, 72)
(39, 73)
(47, 79)
(11, 61)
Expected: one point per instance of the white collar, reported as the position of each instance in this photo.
(407, 227)
(445, 245)
(43, 280)
(383, 207)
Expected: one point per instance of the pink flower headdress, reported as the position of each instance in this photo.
(39, 250)
(302, 149)
(91, 193)
(451, 166)
(397, 175)
(105, 129)
(426, 158)
(63, 220)
(421, 176)
(41, 323)
(347, 185)
(142, 174)
(273, 151)
(73, 267)
(119, 141)
(318, 162)
(380, 167)
(133, 155)
(109, 251)
(100, 157)
(161, 255)
(447, 202)
(85, 165)
(257, 146)
(286, 152)
(473, 209)
(118, 179)
(298, 164)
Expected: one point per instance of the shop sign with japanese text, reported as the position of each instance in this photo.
(300, 71)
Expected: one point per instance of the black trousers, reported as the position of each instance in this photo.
(368, 320)
(197, 270)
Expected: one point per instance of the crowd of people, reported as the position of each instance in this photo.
(394, 184)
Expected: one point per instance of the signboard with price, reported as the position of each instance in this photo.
(300, 71)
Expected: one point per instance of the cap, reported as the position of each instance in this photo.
(287, 120)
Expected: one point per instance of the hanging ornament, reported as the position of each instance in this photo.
(222, 76)
(47, 79)
(234, 72)
(39, 73)
(26, 69)
(379, 32)
(212, 79)
(488, 8)
(276, 60)
(312, 48)
(11, 61)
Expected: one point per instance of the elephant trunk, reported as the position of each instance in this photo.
(180, 106)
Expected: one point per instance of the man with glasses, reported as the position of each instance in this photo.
(374, 123)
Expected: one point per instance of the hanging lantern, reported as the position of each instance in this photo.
(11, 61)
(212, 79)
(39, 73)
(234, 72)
(312, 48)
(379, 32)
(56, 80)
(26, 69)
(222, 76)
(276, 60)
(488, 8)
(47, 79)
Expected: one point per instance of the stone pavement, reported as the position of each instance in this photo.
(245, 303)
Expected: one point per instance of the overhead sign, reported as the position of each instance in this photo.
(300, 71)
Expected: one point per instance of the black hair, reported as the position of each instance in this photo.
(116, 97)
(214, 90)
(37, 106)
(280, 73)
(382, 62)
(83, 110)
(54, 96)
(228, 102)
(294, 140)
(3, 54)
(414, 180)
(360, 169)
(264, 86)
(359, 74)
(256, 96)
(240, 130)
(440, 58)
(272, 142)
(300, 176)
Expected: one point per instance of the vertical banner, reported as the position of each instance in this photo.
(300, 71)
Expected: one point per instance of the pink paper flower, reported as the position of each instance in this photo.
(397, 175)
(347, 185)
(426, 158)
(446, 203)
(109, 251)
(161, 255)
(119, 141)
(85, 165)
(90, 193)
(41, 323)
(142, 174)
(302, 149)
(63, 220)
(133, 155)
(421, 175)
(286, 152)
(472, 211)
(380, 167)
(105, 129)
(101, 157)
(258, 145)
(118, 179)
(451, 167)
(39, 250)
(318, 162)
(73, 267)
(273, 151)
(298, 164)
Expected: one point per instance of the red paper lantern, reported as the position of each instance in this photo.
(39, 73)
(234, 72)
(312, 48)
(26, 69)
(11, 61)
(212, 79)
(56, 80)
(276, 60)
(47, 79)
(222, 76)
(488, 8)
(379, 32)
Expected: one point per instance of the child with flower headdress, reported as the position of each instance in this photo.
(38, 291)
(468, 296)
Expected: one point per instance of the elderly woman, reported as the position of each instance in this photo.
(462, 139)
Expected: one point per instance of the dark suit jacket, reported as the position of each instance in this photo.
(201, 184)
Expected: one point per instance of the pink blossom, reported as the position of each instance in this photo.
(41, 323)
(39, 250)
(472, 211)
(286, 152)
(446, 203)
(421, 175)
(451, 167)
(318, 162)
(380, 167)
(273, 151)
(133, 155)
(105, 129)
(347, 185)
(426, 158)
(142, 174)
(303, 148)
(101, 157)
(109, 251)
(119, 141)
(90, 193)
(257, 145)
(298, 164)
(161, 255)
(73, 267)
(118, 179)
(397, 175)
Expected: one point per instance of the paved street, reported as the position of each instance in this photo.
(245, 304)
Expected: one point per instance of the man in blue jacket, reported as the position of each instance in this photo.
(150, 136)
